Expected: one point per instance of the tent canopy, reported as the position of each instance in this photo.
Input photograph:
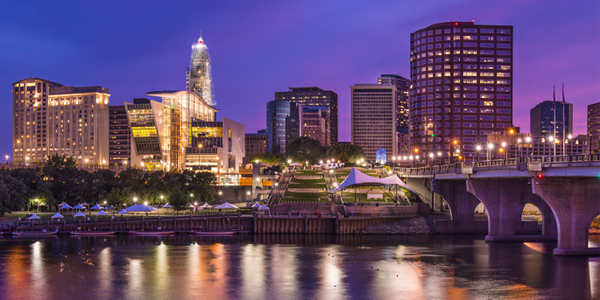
(140, 208)
(256, 205)
(96, 206)
(167, 205)
(263, 207)
(78, 206)
(226, 205)
(357, 178)
(78, 214)
(101, 213)
(123, 211)
(85, 204)
(34, 217)
(65, 206)
(206, 205)
(57, 216)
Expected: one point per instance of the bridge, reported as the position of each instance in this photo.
(566, 189)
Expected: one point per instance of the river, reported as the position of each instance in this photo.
(291, 267)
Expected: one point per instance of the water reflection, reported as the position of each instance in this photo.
(291, 267)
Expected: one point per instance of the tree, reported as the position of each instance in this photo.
(304, 149)
(59, 161)
(178, 200)
(267, 158)
(119, 196)
(13, 194)
(345, 152)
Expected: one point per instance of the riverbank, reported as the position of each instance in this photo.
(420, 225)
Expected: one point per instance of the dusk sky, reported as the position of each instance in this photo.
(260, 47)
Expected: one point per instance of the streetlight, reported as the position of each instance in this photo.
(528, 140)
(478, 147)
(551, 139)
(569, 137)
(134, 199)
(36, 204)
(505, 152)
(86, 161)
(6, 159)
(519, 144)
(490, 146)
(145, 202)
(431, 155)
(289, 161)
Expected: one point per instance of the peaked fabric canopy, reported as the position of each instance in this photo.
(256, 205)
(357, 177)
(34, 217)
(96, 206)
(78, 214)
(123, 211)
(65, 206)
(57, 216)
(226, 205)
(85, 204)
(140, 208)
(167, 205)
(101, 213)
(263, 207)
(78, 206)
(62, 203)
(206, 205)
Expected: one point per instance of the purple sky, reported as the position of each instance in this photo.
(260, 47)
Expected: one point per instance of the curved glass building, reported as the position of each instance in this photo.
(282, 124)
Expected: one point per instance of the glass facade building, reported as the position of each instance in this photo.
(402, 87)
(198, 76)
(547, 119)
(282, 124)
(461, 87)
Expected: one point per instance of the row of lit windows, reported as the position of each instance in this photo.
(458, 52)
(464, 45)
(464, 37)
(466, 30)
(460, 58)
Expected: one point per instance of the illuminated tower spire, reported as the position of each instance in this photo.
(198, 77)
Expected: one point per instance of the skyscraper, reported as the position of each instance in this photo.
(373, 119)
(593, 125)
(402, 86)
(315, 96)
(50, 118)
(119, 137)
(198, 77)
(282, 124)
(461, 87)
(547, 114)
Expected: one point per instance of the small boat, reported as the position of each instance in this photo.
(151, 232)
(92, 232)
(214, 232)
(34, 233)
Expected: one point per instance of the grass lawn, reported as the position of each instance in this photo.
(308, 183)
(310, 197)
(309, 173)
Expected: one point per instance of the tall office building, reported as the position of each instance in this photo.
(50, 118)
(461, 86)
(314, 123)
(402, 87)
(282, 124)
(547, 119)
(315, 96)
(593, 125)
(198, 76)
(119, 144)
(373, 119)
(256, 143)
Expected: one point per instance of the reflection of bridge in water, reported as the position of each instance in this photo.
(566, 189)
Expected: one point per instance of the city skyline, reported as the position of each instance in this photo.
(259, 51)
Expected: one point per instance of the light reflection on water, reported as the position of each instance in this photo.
(291, 267)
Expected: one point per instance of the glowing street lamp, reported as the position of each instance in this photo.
(490, 146)
(134, 199)
(505, 152)
(478, 147)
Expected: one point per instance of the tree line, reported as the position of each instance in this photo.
(59, 180)
(303, 149)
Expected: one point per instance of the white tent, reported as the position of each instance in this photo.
(84, 204)
(65, 206)
(62, 203)
(57, 216)
(96, 207)
(167, 205)
(262, 207)
(256, 205)
(192, 205)
(123, 211)
(101, 213)
(34, 217)
(226, 205)
(140, 208)
(78, 206)
(206, 205)
(357, 177)
(78, 214)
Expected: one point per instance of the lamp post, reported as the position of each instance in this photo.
(528, 140)
(569, 137)
(478, 147)
(410, 158)
(431, 155)
(519, 150)
(6, 158)
(134, 200)
(490, 146)
(36, 204)
(504, 147)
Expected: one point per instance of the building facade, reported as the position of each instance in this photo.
(49, 118)
(402, 100)
(315, 96)
(256, 143)
(373, 121)
(593, 126)
(549, 118)
(198, 76)
(282, 124)
(461, 87)
(119, 144)
(314, 123)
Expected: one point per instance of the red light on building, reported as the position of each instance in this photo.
(539, 176)
(456, 24)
